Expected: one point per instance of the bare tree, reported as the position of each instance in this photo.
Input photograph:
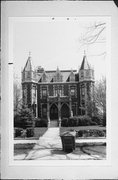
(100, 95)
(17, 95)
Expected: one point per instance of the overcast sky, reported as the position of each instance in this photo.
(57, 43)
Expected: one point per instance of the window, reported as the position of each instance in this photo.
(61, 91)
(58, 90)
(72, 91)
(55, 91)
(83, 102)
(34, 94)
(44, 77)
(87, 73)
(25, 95)
(72, 77)
(28, 74)
(82, 74)
(44, 92)
(83, 91)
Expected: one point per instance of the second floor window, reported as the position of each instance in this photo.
(58, 90)
(55, 91)
(72, 91)
(44, 92)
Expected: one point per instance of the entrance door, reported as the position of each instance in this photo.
(53, 116)
(65, 113)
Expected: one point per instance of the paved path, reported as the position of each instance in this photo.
(49, 146)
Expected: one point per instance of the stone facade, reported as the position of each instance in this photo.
(57, 94)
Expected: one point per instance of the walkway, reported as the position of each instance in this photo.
(49, 146)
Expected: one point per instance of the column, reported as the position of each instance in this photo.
(48, 114)
(59, 110)
(48, 110)
(70, 104)
(36, 104)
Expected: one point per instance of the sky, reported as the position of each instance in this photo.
(57, 42)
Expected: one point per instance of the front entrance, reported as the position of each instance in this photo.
(53, 116)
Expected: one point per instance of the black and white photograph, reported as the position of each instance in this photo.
(59, 88)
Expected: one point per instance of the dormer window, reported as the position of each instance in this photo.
(72, 76)
(58, 76)
(44, 77)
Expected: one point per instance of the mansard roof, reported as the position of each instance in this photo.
(51, 74)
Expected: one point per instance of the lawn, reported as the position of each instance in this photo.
(23, 148)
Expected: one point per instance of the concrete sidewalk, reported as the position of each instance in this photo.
(49, 146)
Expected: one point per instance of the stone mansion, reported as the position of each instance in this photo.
(54, 94)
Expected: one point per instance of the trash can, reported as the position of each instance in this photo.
(68, 141)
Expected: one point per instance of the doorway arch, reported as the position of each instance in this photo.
(65, 111)
(53, 112)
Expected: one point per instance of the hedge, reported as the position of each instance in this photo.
(41, 123)
(77, 121)
(91, 133)
(18, 132)
(30, 132)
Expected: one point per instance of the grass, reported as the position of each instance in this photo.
(95, 149)
(23, 148)
(26, 138)
(38, 133)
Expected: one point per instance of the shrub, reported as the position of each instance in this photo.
(104, 120)
(41, 123)
(17, 132)
(91, 133)
(77, 121)
(97, 119)
(80, 134)
(83, 120)
(30, 132)
(72, 122)
(64, 122)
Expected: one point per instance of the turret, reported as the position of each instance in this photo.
(29, 85)
(86, 84)
(86, 73)
(28, 75)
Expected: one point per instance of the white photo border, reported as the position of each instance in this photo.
(107, 169)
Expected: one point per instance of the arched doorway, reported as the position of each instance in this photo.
(53, 112)
(65, 111)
